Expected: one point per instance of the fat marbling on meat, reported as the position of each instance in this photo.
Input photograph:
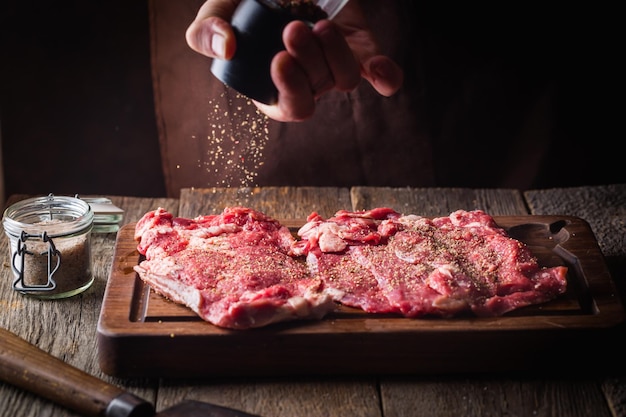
(234, 269)
(384, 262)
(242, 269)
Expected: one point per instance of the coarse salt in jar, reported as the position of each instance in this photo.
(50, 245)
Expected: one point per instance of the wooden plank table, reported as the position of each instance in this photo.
(592, 384)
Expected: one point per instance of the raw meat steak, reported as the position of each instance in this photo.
(234, 270)
(384, 262)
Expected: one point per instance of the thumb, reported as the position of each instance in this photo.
(211, 33)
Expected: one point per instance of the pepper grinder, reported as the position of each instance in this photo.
(258, 27)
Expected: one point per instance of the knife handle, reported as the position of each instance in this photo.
(30, 368)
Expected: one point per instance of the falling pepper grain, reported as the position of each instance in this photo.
(235, 150)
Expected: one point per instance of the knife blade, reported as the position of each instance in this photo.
(24, 365)
(192, 408)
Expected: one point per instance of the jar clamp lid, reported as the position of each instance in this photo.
(49, 242)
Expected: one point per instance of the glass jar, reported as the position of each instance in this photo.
(50, 245)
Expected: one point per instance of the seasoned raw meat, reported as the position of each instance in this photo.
(242, 269)
(384, 262)
(234, 270)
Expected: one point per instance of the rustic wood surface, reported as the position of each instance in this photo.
(67, 328)
(139, 328)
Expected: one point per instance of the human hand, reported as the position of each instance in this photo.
(333, 55)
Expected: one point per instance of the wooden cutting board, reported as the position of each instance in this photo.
(141, 334)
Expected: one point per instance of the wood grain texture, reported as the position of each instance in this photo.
(464, 394)
(277, 202)
(604, 207)
(134, 334)
(439, 201)
(28, 367)
(296, 396)
(615, 390)
(67, 329)
(299, 395)
(445, 396)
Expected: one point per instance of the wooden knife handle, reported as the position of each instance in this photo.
(30, 368)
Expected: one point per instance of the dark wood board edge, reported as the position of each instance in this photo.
(124, 344)
(266, 354)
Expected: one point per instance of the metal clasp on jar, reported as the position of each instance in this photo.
(22, 251)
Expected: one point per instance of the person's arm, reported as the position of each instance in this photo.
(332, 55)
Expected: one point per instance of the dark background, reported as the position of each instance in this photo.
(77, 110)
(76, 106)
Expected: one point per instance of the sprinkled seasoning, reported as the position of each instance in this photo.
(237, 139)
(303, 9)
